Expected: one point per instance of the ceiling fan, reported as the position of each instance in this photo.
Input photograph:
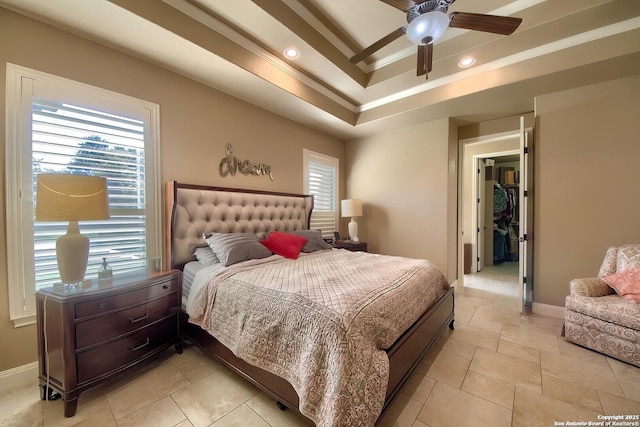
(427, 21)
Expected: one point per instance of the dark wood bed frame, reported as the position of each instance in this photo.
(404, 355)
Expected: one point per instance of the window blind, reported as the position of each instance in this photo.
(75, 140)
(322, 181)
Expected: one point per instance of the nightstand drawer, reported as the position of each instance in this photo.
(103, 328)
(124, 352)
(107, 304)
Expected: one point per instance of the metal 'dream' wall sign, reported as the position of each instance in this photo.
(230, 165)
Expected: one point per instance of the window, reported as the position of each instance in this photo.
(56, 125)
(321, 181)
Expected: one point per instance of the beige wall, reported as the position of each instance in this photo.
(585, 189)
(586, 155)
(196, 123)
(406, 179)
(587, 182)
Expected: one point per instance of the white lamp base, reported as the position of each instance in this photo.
(353, 230)
(72, 251)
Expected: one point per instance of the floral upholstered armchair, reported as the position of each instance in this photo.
(603, 313)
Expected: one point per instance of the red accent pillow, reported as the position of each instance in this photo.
(626, 283)
(287, 245)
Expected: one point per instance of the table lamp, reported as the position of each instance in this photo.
(73, 198)
(352, 208)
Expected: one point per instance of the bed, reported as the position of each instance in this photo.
(316, 367)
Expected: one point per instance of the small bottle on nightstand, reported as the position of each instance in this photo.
(105, 272)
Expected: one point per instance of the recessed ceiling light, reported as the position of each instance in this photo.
(467, 61)
(291, 53)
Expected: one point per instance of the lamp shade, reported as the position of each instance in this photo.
(428, 27)
(351, 207)
(64, 197)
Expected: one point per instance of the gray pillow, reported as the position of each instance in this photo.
(231, 248)
(314, 240)
(205, 255)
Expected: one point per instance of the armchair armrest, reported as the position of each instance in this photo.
(590, 287)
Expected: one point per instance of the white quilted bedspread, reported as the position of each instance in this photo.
(322, 322)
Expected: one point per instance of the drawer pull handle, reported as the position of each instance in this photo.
(134, 348)
(165, 286)
(134, 321)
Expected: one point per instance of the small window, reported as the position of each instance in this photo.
(321, 181)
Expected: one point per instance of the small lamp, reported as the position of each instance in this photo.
(352, 208)
(73, 198)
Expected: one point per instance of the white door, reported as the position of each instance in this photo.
(523, 217)
(481, 213)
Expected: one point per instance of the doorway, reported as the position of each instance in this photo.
(496, 224)
(498, 161)
(496, 213)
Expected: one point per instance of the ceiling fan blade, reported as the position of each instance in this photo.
(425, 59)
(403, 5)
(422, 57)
(504, 25)
(429, 62)
(378, 45)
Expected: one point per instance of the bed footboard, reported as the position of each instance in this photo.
(272, 384)
(406, 353)
(404, 356)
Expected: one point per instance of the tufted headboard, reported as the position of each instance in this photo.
(191, 210)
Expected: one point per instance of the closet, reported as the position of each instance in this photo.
(501, 205)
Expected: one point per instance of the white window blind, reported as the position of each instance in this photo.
(55, 125)
(321, 181)
(73, 140)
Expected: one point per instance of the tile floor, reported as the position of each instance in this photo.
(497, 368)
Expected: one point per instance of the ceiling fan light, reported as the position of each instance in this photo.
(430, 24)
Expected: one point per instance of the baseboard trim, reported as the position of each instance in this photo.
(548, 310)
(19, 376)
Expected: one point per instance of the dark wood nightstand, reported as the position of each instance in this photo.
(351, 246)
(89, 334)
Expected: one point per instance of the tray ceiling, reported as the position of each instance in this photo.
(237, 47)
